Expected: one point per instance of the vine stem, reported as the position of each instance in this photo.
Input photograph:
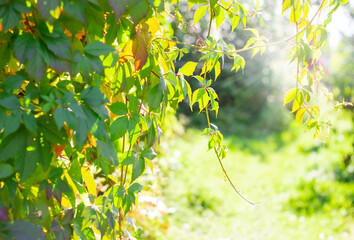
(222, 165)
(224, 171)
(231, 183)
(211, 18)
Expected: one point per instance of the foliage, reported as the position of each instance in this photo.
(85, 87)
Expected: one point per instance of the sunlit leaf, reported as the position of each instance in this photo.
(300, 114)
(289, 95)
(199, 13)
(89, 180)
(188, 68)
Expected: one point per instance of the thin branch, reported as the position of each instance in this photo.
(211, 18)
(222, 166)
(229, 180)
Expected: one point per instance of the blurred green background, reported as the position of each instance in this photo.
(305, 186)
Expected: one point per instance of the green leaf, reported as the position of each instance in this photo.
(238, 62)
(154, 98)
(75, 8)
(12, 144)
(93, 96)
(128, 158)
(138, 168)
(108, 151)
(6, 170)
(135, 188)
(138, 10)
(30, 122)
(148, 153)
(12, 123)
(158, 5)
(35, 66)
(22, 230)
(199, 13)
(119, 108)
(97, 49)
(202, 97)
(94, 20)
(112, 29)
(53, 61)
(12, 83)
(119, 127)
(289, 95)
(10, 102)
(134, 128)
(188, 68)
(26, 160)
(45, 153)
(10, 17)
(87, 64)
(198, 94)
(62, 115)
(47, 126)
(46, 8)
(24, 47)
(56, 41)
(59, 117)
(118, 7)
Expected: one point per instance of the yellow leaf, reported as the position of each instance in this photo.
(289, 95)
(316, 110)
(300, 114)
(199, 13)
(217, 69)
(317, 132)
(90, 183)
(188, 68)
(295, 12)
(65, 202)
(153, 25)
(70, 182)
(127, 53)
(92, 140)
(163, 65)
(113, 179)
(298, 101)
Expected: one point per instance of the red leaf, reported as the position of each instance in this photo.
(48, 191)
(55, 227)
(59, 149)
(4, 214)
(140, 51)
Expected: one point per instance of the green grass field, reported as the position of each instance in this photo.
(304, 189)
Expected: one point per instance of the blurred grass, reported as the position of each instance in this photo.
(305, 189)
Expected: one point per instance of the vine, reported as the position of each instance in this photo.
(84, 90)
